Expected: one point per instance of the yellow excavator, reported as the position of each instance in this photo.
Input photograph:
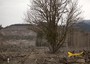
(70, 54)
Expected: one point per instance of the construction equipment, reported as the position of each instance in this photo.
(70, 54)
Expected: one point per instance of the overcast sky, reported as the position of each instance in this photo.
(12, 11)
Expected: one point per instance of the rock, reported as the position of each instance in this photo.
(81, 60)
(52, 60)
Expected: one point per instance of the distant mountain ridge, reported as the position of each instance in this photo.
(84, 25)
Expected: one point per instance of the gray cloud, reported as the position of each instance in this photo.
(12, 11)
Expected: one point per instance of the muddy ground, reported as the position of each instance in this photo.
(34, 55)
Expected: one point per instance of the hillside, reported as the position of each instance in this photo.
(84, 25)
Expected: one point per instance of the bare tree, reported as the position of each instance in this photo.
(1, 27)
(53, 18)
